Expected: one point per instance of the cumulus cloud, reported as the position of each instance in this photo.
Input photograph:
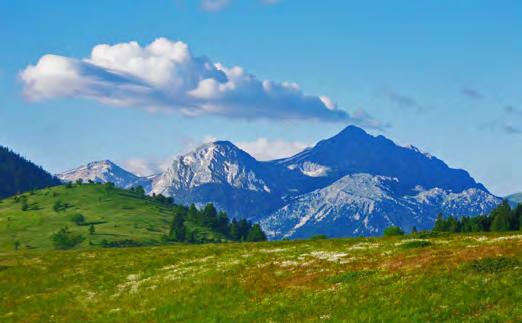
(265, 149)
(166, 76)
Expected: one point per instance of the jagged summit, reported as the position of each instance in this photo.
(103, 171)
(219, 162)
(354, 151)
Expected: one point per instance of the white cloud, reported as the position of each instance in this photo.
(166, 76)
(265, 149)
(146, 167)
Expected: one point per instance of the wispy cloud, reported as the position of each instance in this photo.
(401, 100)
(218, 5)
(471, 93)
(166, 76)
(510, 121)
(266, 149)
(214, 5)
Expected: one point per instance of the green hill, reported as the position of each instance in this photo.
(457, 278)
(119, 217)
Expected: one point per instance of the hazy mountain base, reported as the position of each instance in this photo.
(473, 278)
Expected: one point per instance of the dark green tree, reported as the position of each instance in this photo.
(58, 206)
(25, 205)
(64, 239)
(243, 227)
(109, 186)
(256, 234)
(192, 213)
(500, 217)
(92, 229)
(209, 216)
(440, 223)
(177, 228)
(452, 225)
(234, 231)
(78, 218)
(393, 231)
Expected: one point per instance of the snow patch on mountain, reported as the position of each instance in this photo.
(363, 204)
(212, 163)
(310, 169)
(102, 172)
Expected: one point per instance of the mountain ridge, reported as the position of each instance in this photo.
(415, 185)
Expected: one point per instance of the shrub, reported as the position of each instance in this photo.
(416, 244)
(318, 237)
(393, 231)
(25, 205)
(493, 264)
(78, 219)
(64, 239)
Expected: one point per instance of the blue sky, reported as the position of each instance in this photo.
(445, 76)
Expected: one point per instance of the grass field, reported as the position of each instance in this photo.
(116, 214)
(470, 278)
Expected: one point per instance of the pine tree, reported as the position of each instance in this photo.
(209, 216)
(234, 231)
(256, 234)
(177, 228)
(192, 214)
(440, 224)
(501, 217)
(92, 229)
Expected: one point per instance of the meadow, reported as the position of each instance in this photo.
(30, 219)
(419, 278)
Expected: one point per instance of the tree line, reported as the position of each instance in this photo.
(18, 175)
(209, 217)
(502, 218)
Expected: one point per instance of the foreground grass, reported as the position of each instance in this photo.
(451, 278)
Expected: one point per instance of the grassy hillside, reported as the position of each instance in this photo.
(116, 214)
(473, 278)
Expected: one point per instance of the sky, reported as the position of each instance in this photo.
(139, 82)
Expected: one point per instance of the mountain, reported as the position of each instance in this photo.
(105, 171)
(18, 175)
(222, 174)
(365, 205)
(354, 151)
(348, 185)
(514, 199)
(367, 183)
